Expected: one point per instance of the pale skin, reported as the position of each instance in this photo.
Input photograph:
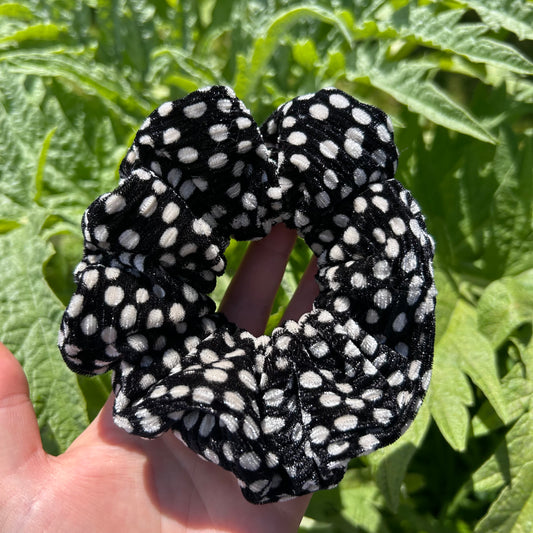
(110, 481)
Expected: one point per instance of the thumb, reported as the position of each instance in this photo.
(19, 432)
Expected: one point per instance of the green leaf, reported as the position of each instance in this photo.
(29, 322)
(513, 15)
(512, 512)
(443, 31)
(504, 305)
(16, 11)
(391, 463)
(40, 165)
(450, 394)
(405, 81)
(266, 43)
(37, 32)
(510, 457)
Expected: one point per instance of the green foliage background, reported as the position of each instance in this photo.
(76, 80)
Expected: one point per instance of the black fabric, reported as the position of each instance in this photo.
(284, 413)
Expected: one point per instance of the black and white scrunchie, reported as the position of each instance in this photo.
(285, 413)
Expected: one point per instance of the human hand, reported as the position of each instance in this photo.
(110, 481)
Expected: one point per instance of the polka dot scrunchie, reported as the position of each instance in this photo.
(284, 413)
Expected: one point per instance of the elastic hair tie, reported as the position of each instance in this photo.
(285, 413)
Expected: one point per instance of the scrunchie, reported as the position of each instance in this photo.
(284, 413)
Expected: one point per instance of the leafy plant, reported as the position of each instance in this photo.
(76, 80)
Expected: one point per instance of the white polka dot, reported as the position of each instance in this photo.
(329, 149)
(244, 146)
(168, 238)
(148, 206)
(345, 422)
(426, 378)
(112, 273)
(369, 345)
(409, 261)
(330, 399)
(201, 227)
(129, 239)
(359, 204)
(322, 199)
(195, 110)
(90, 278)
(300, 162)
(218, 132)
(147, 140)
(248, 379)
(310, 380)
(382, 298)
(288, 122)
(319, 434)
(171, 135)
(138, 342)
(155, 319)
(141, 296)
(250, 461)
(383, 133)
(358, 280)
(243, 123)
(341, 304)
(339, 101)
(361, 116)
(353, 149)
(379, 157)
(371, 316)
(297, 138)
(170, 213)
(359, 176)
(414, 369)
(217, 160)
(381, 270)
(351, 235)
(355, 135)
(272, 424)
(177, 313)
(395, 379)
(336, 448)
(203, 395)
(250, 428)
(215, 374)
(114, 203)
(330, 179)
(319, 111)
(75, 306)
(393, 248)
(179, 391)
(381, 203)
(165, 109)
(368, 442)
(191, 295)
(113, 295)
(319, 349)
(204, 430)
(234, 401)
(188, 154)
(399, 322)
(89, 325)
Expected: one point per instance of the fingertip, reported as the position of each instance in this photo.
(19, 432)
(13, 381)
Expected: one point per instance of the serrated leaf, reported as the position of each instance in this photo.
(513, 15)
(29, 321)
(443, 31)
(406, 82)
